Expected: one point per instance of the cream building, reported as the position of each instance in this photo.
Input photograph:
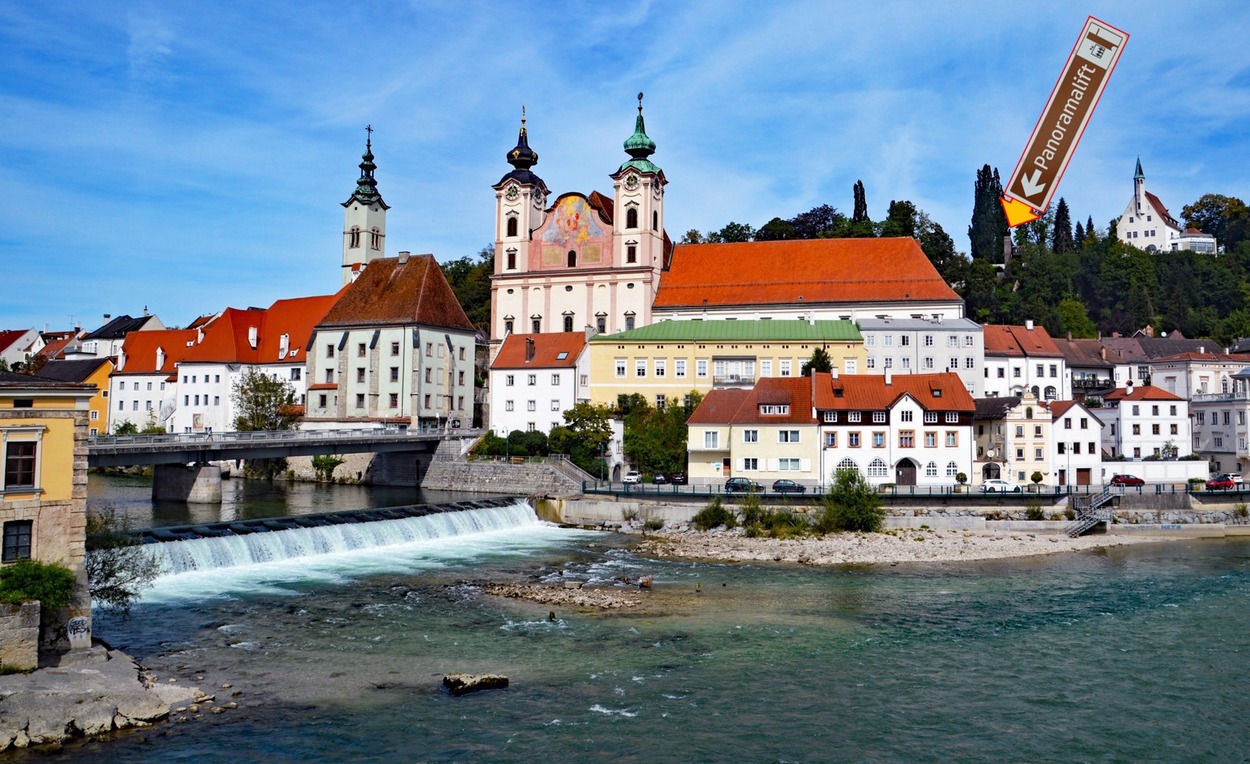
(1013, 435)
(664, 362)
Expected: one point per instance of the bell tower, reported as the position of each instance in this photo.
(364, 218)
(520, 201)
(638, 217)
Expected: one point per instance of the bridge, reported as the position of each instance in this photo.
(187, 463)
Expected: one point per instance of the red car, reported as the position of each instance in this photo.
(1126, 480)
(1221, 483)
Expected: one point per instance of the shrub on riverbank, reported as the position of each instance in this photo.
(26, 580)
(714, 515)
(851, 505)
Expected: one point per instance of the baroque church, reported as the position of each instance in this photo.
(584, 261)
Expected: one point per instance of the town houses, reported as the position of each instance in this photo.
(592, 301)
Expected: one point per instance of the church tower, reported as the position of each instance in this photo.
(519, 199)
(1139, 188)
(364, 219)
(638, 219)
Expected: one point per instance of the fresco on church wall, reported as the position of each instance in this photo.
(572, 226)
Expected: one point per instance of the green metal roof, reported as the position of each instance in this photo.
(773, 330)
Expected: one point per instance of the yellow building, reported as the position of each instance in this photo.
(665, 361)
(43, 473)
(89, 371)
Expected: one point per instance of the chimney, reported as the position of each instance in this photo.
(107, 316)
(833, 372)
(529, 349)
(145, 311)
(403, 256)
(1102, 353)
(889, 377)
(160, 358)
(590, 331)
(251, 336)
(1028, 324)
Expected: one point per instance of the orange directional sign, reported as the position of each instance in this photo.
(1032, 184)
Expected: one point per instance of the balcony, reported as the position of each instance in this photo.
(1237, 395)
(733, 380)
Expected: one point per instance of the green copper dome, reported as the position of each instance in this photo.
(639, 146)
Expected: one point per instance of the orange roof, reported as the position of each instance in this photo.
(139, 350)
(389, 292)
(228, 339)
(1207, 357)
(802, 271)
(1146, 393)
(869, 392)
(793, 391)
(1019, 341)
(56, 344)
(547, 350)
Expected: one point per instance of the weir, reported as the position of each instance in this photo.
(188, 548)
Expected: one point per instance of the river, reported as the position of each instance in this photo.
(1130, 654)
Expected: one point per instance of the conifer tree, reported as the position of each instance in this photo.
(1079, 236)
(1061, 233)
(989, 225)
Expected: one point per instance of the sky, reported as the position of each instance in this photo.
(188, 157)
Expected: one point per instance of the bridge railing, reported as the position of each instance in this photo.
(180, 438)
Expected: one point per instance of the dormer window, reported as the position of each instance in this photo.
(775, 409)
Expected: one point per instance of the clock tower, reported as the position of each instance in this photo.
(364, 218)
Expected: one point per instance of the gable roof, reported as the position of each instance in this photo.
(13, 381)
(10, 336)
(229, 338)
(77, 370)
(774, 330)
(996, 408)
(1019, 341)
(1087, 353)
(547, 350)
(1144, 393)
(796, 392)
(390, 292)
(719, 406)
(944, 391)
(799, 272)
(139, 350)
(119, 327)
(1139, 349)
(55, 343)
(1162, 211)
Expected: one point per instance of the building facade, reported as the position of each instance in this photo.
(926, 346)
(1076, 444)
(1020, 359)
(535, 378)
(1013, 440)
(1145, 421)
(1220, 430)
(1147, 224)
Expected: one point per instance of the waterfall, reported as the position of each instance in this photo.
(230, 550)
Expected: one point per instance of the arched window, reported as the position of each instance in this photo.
(1051, 393)
(655, 220)
(878, 468)
(355, 237)
(572, 259)
(536, 323)
(511, 260)
(952, 469)
(930, 470)
(512, 226)
(631, 217)
(376, 238)
(848, 464)
(1028, 412)
(568, 323)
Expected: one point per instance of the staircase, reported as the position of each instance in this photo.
(1090, 512)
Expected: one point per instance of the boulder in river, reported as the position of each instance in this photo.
(461, 684)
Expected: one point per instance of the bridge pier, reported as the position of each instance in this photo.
(195, 484)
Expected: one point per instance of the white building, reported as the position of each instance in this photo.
(143, 388)
(1145, 421)
(1197, 373)
(1020, 359)
(1147, 224)
(1220, 425)
(535, 378)
(106, 342)
(1076, 444)
(926, 346)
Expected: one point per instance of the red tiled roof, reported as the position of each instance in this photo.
(869, 392)
(139, 350)
(228, 339)
(9, 336)
(547, 350)
(1161, 210)
(388, 292)
(719, 406)
(324, 386)
(1146, 393)
(1059, 408)
(801, 272)
(796, 391)
(56, 344)
(1018, 341)
(1209, 357)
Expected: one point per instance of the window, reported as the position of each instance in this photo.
(952, 417)
(354, 240)
(889, 340)
(512, 225)
(375, 239)
(878, 417)
(1137, 429)
(930, 470)
(536, 325)
(854, 417)
(1171, 412)
(555, 379)
(568, 323)
(631, 217)
(711, 439)
(531, 380)
(620, 367)
(555, 405)
(531, 405)
(775, 408)
(831, 417)
(785, 368)
(787, 436)
(952, 438)
(1019, 453)
(661, 365)
(509, 380)
(878, 440)
(904, 340)
(1174, 430)
(1154, 411)
(831, 440)
(1154, 429)
(321, 401)
(848, 464)
(1037, 431)
(640, 367)
(360, 374)
(394, 400)
(870, 340)
(429, 375)
(629, 323)
(928, 362)
(508, 406)
(679, 367)
(877, 468)
(788, 465)
(329, 354)
(395, 374)
(216, 402)
(1136, 410)
(750, 436)
(930, 440)
(507, 326)
(852, 439)
(907, 439)
(19, 464)
(1015, 373)
(661, 401)
(928, 340)
(750, 464)
(889, 363)
(952, 469)
(631, 253)
(1037, 453)
(17, 535)
(360, 400)
(295, 375)
(870, 362)
(700, 368)
(905, 416)
(426, 401)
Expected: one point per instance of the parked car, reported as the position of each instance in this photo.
(1236, 478)
(659, 479)
(1221, 483)
(997, 485)
(1126, 480)
(788, 486)
(678, 478)
(742, 485)
(633, 476)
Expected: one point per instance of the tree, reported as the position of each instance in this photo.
(1061, 234)
(901, 220)
(324, 465)
(586, 433)
(952, 266)
(118, 567)
(819, 361)
(692, 237)
(851, 504)
(655, 439)
(989, 225)
(264, 403)
(818, 222)
(1079, 237)
(469, 278)
(1074, 318)
(125, 428)
(731, 233)
(1213, 214)
(776, 230)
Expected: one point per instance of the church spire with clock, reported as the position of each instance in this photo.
(364, 218)
(520, 197)
(638, 193)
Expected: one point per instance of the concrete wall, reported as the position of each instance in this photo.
(19, 636)
(526, 479)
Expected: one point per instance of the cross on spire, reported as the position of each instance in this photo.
(369, 138)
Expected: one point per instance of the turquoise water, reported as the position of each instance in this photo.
(1131, 654)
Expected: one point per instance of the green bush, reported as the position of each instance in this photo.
(713, 515)
(851, 505)
(50, 583)
(1034, 512)
(324, 465)
(1069, 513)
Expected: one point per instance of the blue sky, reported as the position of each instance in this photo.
(193, 156)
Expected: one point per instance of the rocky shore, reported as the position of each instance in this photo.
(895, 546)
